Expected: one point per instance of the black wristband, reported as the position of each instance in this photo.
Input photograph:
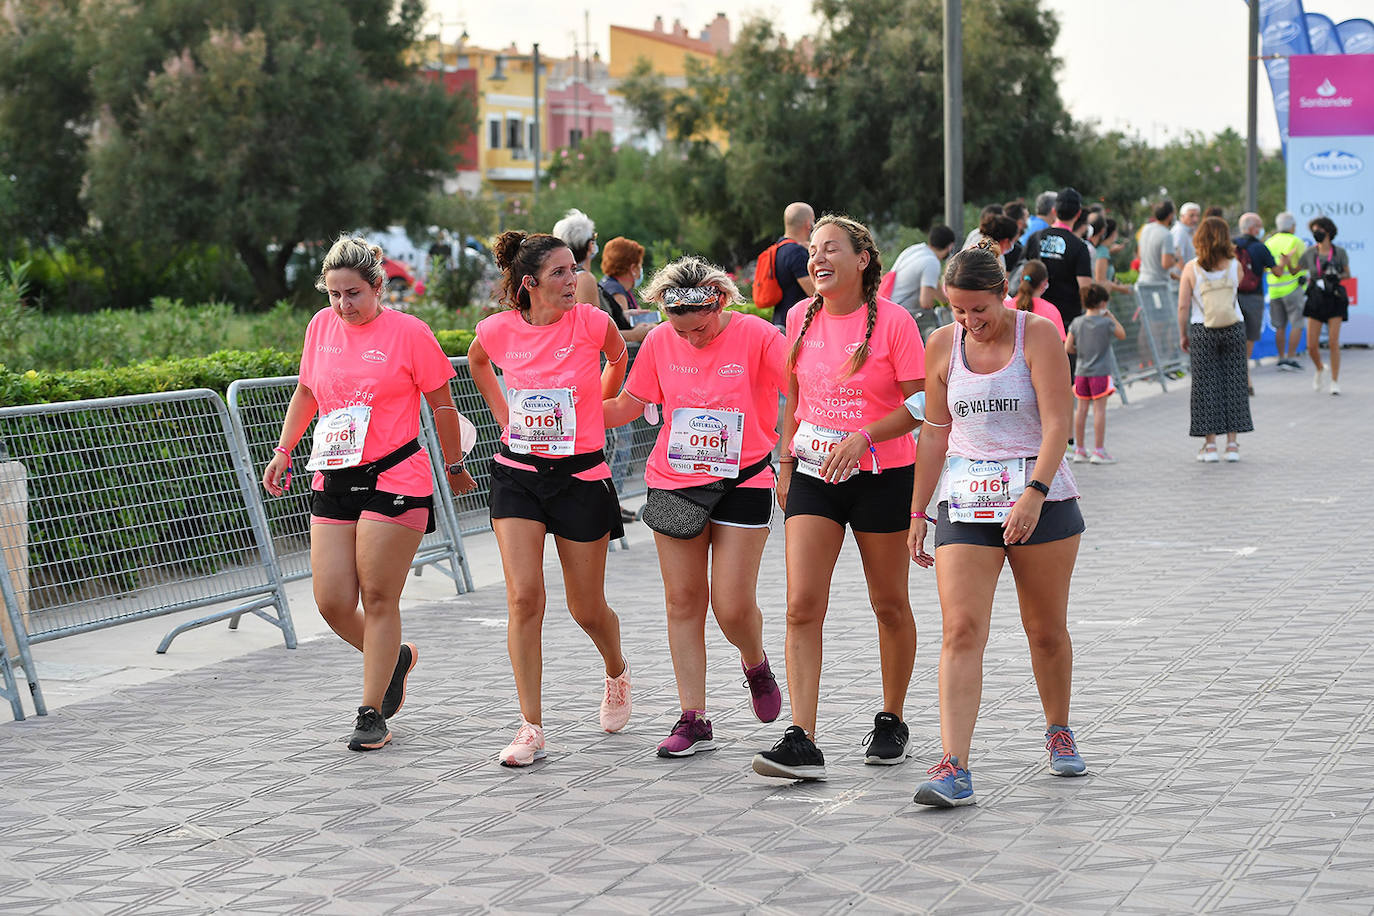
(1037, 485)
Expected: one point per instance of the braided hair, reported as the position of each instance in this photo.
(861, 239)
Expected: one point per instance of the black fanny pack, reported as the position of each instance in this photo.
(685, 513)
(363, 477)
(556, 467)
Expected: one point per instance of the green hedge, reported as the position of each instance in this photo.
(215, 371)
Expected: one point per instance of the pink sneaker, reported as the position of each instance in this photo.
(692, 733)
(615, 705)
(526, 748)
(763, 690)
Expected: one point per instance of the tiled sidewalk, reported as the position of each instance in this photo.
(1223, 618)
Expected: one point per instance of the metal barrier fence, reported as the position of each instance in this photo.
(132, 508)
(257, 407)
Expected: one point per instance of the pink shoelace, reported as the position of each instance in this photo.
(527, 736)
(944, 769)
(1061, 743)
(615, 690)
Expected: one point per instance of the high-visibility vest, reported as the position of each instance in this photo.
(1280, 244)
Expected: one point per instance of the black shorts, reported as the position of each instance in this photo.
(873, 503)
(350, 507)
(1059, 519)
(571, 508)
(745, 507)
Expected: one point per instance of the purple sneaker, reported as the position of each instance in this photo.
(692, 733)
(763, 690)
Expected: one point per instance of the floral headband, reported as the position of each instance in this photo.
(690, 298)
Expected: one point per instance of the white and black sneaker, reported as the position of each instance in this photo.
(890, 741)
(794, 757)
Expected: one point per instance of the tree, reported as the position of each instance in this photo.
(253, 124)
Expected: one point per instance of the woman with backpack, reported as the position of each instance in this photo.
(1326, 265)
(1212, 331)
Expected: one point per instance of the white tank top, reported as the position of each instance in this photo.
(995, 415)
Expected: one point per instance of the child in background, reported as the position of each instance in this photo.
(1090, 336)
(1035, 279)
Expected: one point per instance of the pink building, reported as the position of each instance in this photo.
(575, 110)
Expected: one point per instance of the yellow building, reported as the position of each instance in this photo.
(667, 51)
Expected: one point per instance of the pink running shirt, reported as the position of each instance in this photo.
(387, 364)
(1045, 310)
(743, 369)
(827, 396)
(565, 354)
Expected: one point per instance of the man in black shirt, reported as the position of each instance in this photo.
(1066, 257)
(790, 261)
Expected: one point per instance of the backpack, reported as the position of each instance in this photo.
(1218, 298)
(1249, 280)
(767, 289)
(611, 307)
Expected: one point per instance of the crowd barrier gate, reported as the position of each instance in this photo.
(257, 407)
(131, 508)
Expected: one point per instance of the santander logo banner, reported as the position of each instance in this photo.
(1331, 95)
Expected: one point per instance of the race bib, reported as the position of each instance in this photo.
(704, 441)
(339, 438)
(543, 421)
(984, 491)
(813, 444)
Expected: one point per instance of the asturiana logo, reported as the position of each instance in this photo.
(1333, 163)
(374, 356)
(984, 469)
(705, 423)
(538, 404)
(730, 370)
(564, 353)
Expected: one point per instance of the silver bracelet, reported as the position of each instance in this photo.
(445, 407)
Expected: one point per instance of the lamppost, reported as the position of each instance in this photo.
(954, 117)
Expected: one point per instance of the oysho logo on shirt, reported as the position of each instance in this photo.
(519, 354)
(565, 352)
(685, 370)
(986, 405)
(374, 356)
(325, 348)
(813, 343)
(730, 370)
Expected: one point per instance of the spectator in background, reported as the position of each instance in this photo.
(790, 262)
(578, 232)
(623, 265)
(1001, 230)
(1286, 290)
(1158, 256)
(1214, 211)
(1065, 255)
(1016, 256)
(1103, 236)
(1189, 215)
(1044, 208)
(1252, 300)
(1034, 281)
(1326, 265)
(917, 275)
(1090, 338)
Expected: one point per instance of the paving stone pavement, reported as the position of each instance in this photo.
(1224, 701)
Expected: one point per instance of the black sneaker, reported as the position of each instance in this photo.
(794, 757)
(890, 741)
(395, 696)
(370, 731)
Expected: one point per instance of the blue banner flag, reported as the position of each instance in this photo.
(1357, 36)
(1321, 34)
(1283, 32)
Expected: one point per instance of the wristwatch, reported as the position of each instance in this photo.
(456, 468)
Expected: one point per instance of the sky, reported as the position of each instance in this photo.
(1133, 65)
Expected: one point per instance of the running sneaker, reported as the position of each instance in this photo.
(369, 731)
(1064, 759)
(763, 690)
(692, 733)
(395, 696)
(949, 786)
(1080, 455)
(526, 747)
(794, 757)
(1100, 456)
(1319, 379)
(890, 741)
(615, 705)
(1335, 387)
(1284, 365)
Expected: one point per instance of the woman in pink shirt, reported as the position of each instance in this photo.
(1035, 279)
(718, 376)
(993, 440)
(854, 357)
(364, 369)
(550, 475)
